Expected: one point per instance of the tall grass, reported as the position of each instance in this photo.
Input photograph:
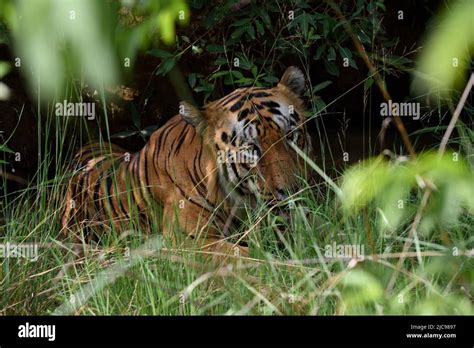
(286, 273)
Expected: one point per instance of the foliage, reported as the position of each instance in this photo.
(392, 186)
(448, 50)
(257, 37)
(3, 150)
(54, 39)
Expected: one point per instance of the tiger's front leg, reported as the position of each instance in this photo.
(200, 232)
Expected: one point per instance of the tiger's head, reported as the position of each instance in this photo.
(252, 132)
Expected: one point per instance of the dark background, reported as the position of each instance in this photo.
(361, 135)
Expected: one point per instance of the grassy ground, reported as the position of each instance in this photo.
(294, 274)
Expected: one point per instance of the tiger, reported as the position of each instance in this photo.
(234, 151)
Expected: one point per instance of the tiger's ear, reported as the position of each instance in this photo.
(293, 79)
(190, 113)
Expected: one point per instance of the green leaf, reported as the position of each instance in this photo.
(448, 51)
(251, 32)
(4, 69)
(192, 80)
(214, 48)
(364, 182)
(219, 74)
(237, 74)
(271, 79)
(254, 71)
(319, 52)
(352, 63)
(398, 61)
(345, 52)
(304, 23)
(124, 134)
(381, 5)
(166, 66)
(319, 104)
(260, 28)
(360, 287)
(238, 32)
(148, 130)
(160, 53)
(368, 83)
(265, 17)
(325, 24)
(196, 49)
(391, 184)
(321, 86)
(4, 148)
(241, 22)
(331, 68)
(363, 37)
(220, 61)
(331, 54)
(244, 81)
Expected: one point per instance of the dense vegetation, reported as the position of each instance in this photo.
(406, 210)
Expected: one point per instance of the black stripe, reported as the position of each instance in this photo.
(96, 194)
(270, 104)
(234, 169)
(296, 116)
(145, 165)
(239, 190)
(108, 186)
(274, 111)
(181, 138)
(123, 208)
(197, 185)
(196, 166)
(259, 95)
(161, 138)
(199, 161)
(243, 114)
(238, 105)
(257, 107)
(230, 98)
(165, 133)
(233, 138)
